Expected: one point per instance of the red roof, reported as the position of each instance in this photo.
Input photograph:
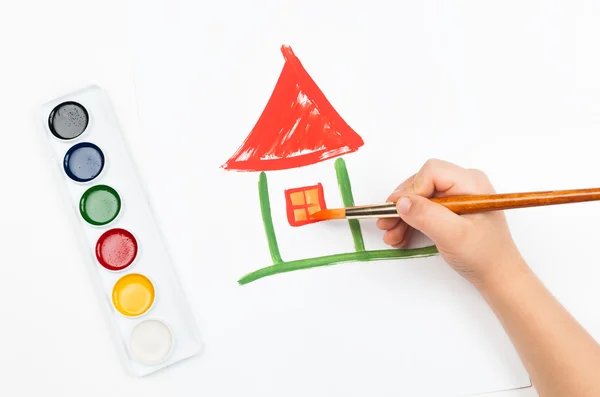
(298, 126)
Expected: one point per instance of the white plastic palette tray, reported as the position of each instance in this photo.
(129, 262)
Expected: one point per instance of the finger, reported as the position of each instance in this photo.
(390, 223)
(440, 178)
(406, 187)
(437, 222)
(396, 235)
(406, 239)
(387, 223)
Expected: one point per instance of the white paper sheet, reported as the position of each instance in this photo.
(413, 80)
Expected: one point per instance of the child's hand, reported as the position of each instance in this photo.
(479, 246)
(481, 249)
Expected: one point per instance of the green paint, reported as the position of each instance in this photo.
(100, 205)
(348, 199)
(364, 256)
(265, 209)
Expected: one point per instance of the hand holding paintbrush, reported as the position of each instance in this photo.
(415, 204)
(471, 234)
(433, 200)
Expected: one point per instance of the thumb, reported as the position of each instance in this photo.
(437, 222)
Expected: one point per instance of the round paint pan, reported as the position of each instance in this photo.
(133, 295)
(83, 162)
(151, 342)
(116, 249)
(68, 120)
(100, 205)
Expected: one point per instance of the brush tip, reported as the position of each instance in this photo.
(325, 215)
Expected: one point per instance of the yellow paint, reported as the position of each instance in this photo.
(313, 209)
(312, 196)
(297, 198)
(300, 215)
(133, 295)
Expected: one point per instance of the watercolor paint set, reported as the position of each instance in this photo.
(130, 265)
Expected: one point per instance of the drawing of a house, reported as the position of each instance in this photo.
(301, 137)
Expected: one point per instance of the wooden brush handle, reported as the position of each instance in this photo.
(495, 202)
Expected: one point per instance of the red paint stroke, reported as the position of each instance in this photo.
(298, 126)
(302, 202)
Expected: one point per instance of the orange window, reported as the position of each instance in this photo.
(302, 202)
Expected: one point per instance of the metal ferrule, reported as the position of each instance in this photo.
(387, 210)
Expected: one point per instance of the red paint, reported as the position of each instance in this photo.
(116, 249)
(307, 207)
(298, 126)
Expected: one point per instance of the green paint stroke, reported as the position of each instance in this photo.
(346, 191)
(364, 256)
(265, 210)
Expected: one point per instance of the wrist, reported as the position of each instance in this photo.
(504, 273)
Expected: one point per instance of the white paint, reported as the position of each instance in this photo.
(151, 342)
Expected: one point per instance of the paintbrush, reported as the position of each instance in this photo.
(468, 204)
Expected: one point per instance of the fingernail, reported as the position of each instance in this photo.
(403, 205)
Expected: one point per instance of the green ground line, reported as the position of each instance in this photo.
(363, 256)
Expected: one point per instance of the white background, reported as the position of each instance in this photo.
(512, 88)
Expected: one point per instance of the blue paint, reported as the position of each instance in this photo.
(84, 162)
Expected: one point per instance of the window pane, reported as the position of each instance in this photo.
(312, 197)
(313, 208)
(300, 215)
(297, 198)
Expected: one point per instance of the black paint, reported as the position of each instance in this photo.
(68, 120)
